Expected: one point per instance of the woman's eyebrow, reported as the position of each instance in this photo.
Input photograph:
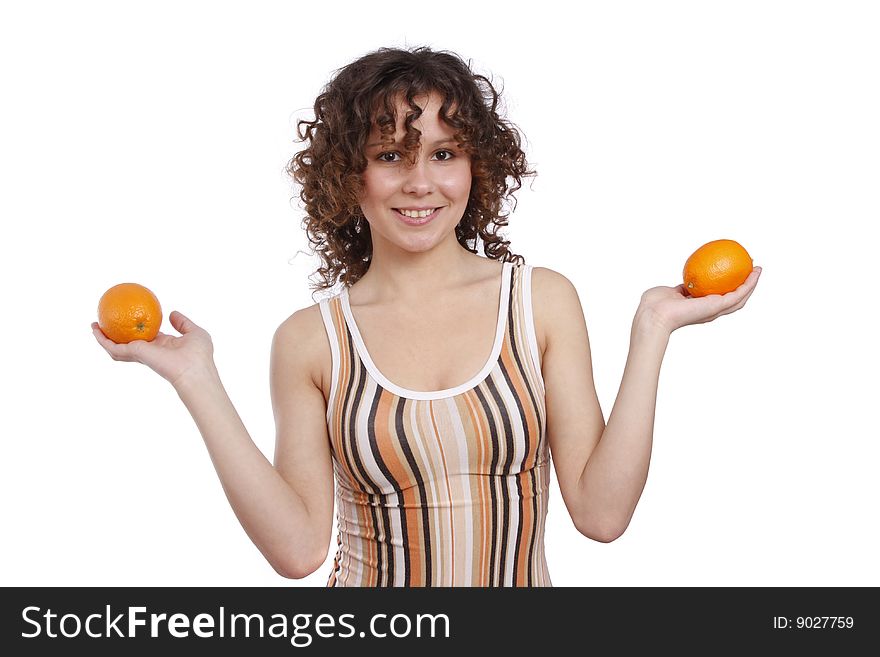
(395, 143)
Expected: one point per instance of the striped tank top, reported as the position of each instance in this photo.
(446, 487)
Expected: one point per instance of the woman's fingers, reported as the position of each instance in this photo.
(750, 286)
(125, 352)
(115, 350)
(742, 302)
(182, 323)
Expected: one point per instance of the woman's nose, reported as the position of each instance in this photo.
(417, 178)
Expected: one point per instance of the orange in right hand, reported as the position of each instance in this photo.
(717, 267)
(128, 312)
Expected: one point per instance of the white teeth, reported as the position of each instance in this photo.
(420, 214)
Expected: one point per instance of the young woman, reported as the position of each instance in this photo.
(435, 386)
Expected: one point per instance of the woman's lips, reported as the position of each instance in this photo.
(417, 221)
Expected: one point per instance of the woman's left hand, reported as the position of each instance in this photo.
(670, 308)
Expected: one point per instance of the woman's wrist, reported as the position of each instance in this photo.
(197, 376)
(646, 323)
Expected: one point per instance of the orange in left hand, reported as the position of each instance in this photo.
(128, 312)
(717, 267)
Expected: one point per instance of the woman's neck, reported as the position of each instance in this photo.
(411, 277)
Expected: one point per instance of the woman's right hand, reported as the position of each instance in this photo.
(169, 356)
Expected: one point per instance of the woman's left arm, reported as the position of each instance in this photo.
(602, 474)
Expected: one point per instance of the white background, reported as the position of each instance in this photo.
(147, 143)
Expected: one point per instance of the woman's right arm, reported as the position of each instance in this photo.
(286, 511)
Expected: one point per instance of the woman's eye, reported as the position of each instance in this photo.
(383, 157)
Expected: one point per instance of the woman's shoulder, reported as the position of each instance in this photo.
(555, 302)
(550, 284)
(302, 337)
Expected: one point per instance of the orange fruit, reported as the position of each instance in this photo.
(129, 311)
(717, 267)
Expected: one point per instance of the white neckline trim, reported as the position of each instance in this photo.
(503, 305)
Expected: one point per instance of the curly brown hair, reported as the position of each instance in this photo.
(362, 93)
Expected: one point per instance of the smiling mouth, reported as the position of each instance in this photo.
(433, 210)
(417, 220)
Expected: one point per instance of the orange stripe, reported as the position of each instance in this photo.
(481, 437)
(404, 477)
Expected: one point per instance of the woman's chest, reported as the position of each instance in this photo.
(444, 345)
(429, 352)
(383, 443)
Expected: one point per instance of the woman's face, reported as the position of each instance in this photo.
(440, 178)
